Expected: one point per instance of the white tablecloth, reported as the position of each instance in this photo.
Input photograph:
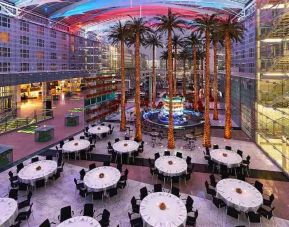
(125, 146)
(175, 213)
(80, 221)
(29, 174)
(8, 211)
(177, 168)
(94, 183)
(226, 157)
(98, 130)
(249, 200)
(75, 146)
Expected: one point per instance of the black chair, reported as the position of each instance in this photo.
(70, 139)
(224, 171)
(158, 188)
(143, 193)
(213, 181)
(209, 190)
(12, 177)
(268, 201)
(265, 212)
(135, 204)
(167, 153)
(135, 220)
(13, 194)
(82, 174)
(22, 216)
(179, 155)
(215, 146)
(192, 218)
(247, 160)
(259, 186)
(65, 213)
(40, 183)
(82, 137)
(92, 166)
(111, 192)
(253, 217)
(19, 167)
(104, 222)
(228, 148)
(188, 160)
(232, 212)
(239, 152)
(25, 203)
(116, 140)
(175, 191)
(218, 202)
(61, 143)
(97, 195)
(46, 223)
(49, 157)
(88, 210)
(157, 155)
(122, 182)
(189, 204)
(35, 159)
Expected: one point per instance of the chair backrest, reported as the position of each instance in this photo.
(82, 174)
(19, 166)
(239, 152)
(179, 155)
(65, 213)
(253, 217)
(215, 146)
(105, 215)
(88, 210)
(228, 147)
(231, 211)
(133, 201)
(92, 166)
(248, 158)
(196, 214)
(46, 223)
(70, 139)
(158, 188)
(167, 153)
(143, 192)
(116, 140)
(189, 201)
(10, 174)
(13, 194)
(189, 160)
(212, 179)
(157, 155)
(271, 197)
(259, 185)
(175, 191)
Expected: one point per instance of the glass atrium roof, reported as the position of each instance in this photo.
(82, 12)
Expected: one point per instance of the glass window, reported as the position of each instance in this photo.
(39, 54)
(53, 45)
(40, 42)
(24, 67)
(4, 66)
(64, 56)
(24, 40)
(64, 36)
(53, 34)
(40, 30)
(4, 52)
(64, 66)
(4, 37)
(52, 55)
(4, 21)
(24, 53)
(40, 66)
(24, 26)
(53, 66)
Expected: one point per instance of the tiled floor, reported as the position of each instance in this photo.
(48, 201)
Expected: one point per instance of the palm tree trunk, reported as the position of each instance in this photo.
(215, 113)
(138, 133)
(184, 79)
(196, 85)
(228, 122)
(122, 105)
(154, 88)
(171, 138)
(175, 71)
(207, 126)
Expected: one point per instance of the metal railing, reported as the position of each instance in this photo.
(16, 123)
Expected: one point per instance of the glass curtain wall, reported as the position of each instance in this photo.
(272, 105)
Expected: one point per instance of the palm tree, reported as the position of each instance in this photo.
(177, 41)
(216, 38)
(233, 30)
(137, 31)
(118, 34)
(164, 57)
(167, 23)
(193, 41)
(154, 40)
(184, 55)
(205, 25)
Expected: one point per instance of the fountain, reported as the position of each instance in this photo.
(185, 120)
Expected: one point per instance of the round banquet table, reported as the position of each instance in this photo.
(125, 146)
(29, 174)
(8, 211)
(226, 157)
(94, 182)
(75, 146)
(80, 221)
(99, 130)
(248, 199)
(174, 214)
(171, 165)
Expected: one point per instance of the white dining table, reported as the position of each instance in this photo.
(226, 157)
(98, 130)
(161, 209)
(8, 211)
(171, 165)
(75, 146)
(101, 178)
(239, 194)
(36, 171)
(125, 146)
(80, 221)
